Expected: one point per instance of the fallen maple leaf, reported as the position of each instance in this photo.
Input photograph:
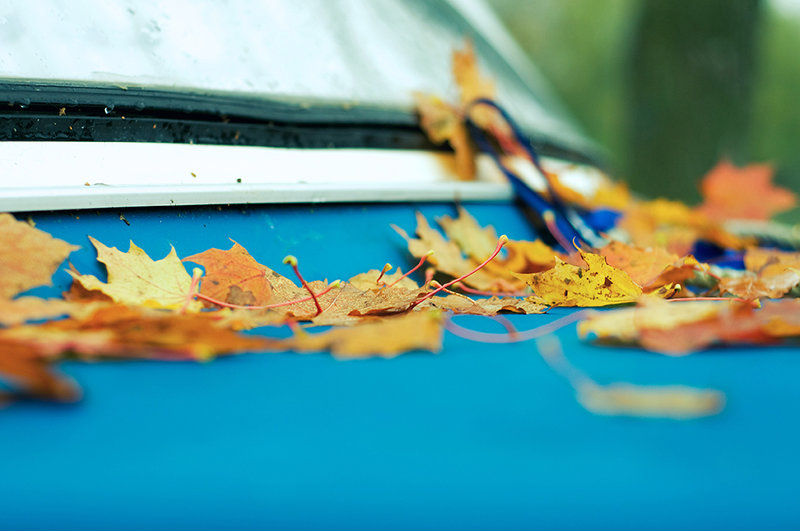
(674, 226)
(652, 267)
(769, 284)
(386, 337)
(679, 328)
(770, 261)
(134, 332)
(599, 284)
(674, 401)
(32, 376)
(730, 192)
(491, 306)
(25, 309)
(663, 401)
(134, 278)
(478, 242)
(468, 77)
(623, 325)
(369, 280)
(28, 256)
(527, 257)
(475, 241)
(443, 123)
(233, 276)
(448, 259)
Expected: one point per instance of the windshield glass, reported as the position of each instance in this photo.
(349, 52)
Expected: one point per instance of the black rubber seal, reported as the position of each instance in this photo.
(48, 111)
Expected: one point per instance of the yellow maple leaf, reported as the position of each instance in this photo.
(476, 241)
(135, 278)
(567, 285)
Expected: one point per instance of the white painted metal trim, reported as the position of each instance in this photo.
(75, 175)
(38, 176)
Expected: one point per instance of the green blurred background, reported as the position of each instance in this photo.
(668, 87)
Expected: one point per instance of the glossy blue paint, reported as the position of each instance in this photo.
(475, 437)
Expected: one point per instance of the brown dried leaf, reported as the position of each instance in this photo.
(488, 307)
(386, 337)
(447, 258)
(28, 256)
(368, 280)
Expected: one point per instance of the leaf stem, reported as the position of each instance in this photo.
(385, 270)
(421, 261)
(474, 291)
(292, 261)
(500, 244)
(334, 284)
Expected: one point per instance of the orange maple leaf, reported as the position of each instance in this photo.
(233, 276)
(679, 328)
(730, 192)
(770, 284)
(442, 123)
(116, 331)
(770, 261)
(650, 267)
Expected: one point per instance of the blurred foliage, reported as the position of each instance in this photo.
(668, 87)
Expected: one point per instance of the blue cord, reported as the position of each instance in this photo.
(568, 221)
